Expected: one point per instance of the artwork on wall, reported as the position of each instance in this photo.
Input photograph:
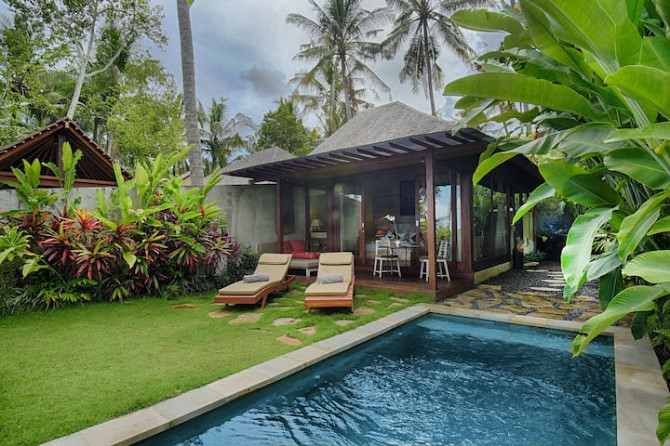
(407, 198)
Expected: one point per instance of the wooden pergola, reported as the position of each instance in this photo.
(95, 169)
(391, 138)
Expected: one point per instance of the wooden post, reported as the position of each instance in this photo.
(430, 203)
(361, 231)
(278, 220)
(466, 224)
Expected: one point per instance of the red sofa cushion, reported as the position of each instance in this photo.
(306, 255)
(297, 249)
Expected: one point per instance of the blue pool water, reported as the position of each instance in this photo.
(440, 380)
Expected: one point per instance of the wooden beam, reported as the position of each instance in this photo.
(430, 204)
(467, 253)
(278, 223)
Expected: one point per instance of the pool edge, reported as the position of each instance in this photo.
(640, 387)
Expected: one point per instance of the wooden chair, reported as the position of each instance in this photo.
(442, 268)
(384, 254)
(275, 266)
(339, 294)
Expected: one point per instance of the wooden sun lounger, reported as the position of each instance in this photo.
(275, 266)
(336, 295)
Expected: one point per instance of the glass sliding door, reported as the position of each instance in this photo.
(348, 199)
(318, 219)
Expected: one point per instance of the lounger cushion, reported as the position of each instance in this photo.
(251, 278)
(274, 259)
(327, 289)
(243, 289)
(331, 278)
(336, 258)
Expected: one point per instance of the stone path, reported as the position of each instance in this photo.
(540, 301)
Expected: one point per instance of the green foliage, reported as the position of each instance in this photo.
(598, 72)
(151, 234)
(283, 129)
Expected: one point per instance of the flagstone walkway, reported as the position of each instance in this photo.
(534, 292)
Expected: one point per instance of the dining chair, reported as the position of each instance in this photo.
(441, 261)
(384, 254)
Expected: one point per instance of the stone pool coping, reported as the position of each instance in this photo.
(640, 387)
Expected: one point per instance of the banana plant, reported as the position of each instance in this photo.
(596, 74)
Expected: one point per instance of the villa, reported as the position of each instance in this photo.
(395, 172)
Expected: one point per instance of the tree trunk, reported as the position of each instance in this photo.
(429, 74)
(190, 101)
(83, 65)
(345, 84)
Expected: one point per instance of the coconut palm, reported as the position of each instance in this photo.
(221, 134)
(190, 101)
(320, 92)
(339, 39)
(422, 24)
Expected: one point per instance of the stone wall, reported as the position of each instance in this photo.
(249, 210)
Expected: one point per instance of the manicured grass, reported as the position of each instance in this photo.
(65, 370)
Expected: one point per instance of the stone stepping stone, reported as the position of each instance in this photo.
(283, 308)
(246, 318)
(400, 299)
(288, 340)
(490, 287)
(547, 289)
(218, 314)
(285, 321)
(372, 302)
(553, 283)
(361, 295)
(364, 310)
(343, 322)
(394, 305)
(183, 306)
(538, 271)
(296, 292)
(309, 331)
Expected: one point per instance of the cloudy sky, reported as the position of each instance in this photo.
(244, 52)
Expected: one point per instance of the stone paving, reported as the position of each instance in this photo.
(540, 301)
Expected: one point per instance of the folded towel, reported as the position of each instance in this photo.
(332, 278)
(251, 278)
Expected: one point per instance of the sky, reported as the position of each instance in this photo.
(244, 52)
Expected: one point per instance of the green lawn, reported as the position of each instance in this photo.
(65, 370)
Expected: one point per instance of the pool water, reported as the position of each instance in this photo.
(440, 380)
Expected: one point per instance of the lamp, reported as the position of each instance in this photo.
(392, 218)
(315, 225)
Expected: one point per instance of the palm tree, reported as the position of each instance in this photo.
(220, 134)
(339, 42)
(424, 23)
(190, 101)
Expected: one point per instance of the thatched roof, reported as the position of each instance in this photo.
(266, 156)
(94, 169)
(388, 122)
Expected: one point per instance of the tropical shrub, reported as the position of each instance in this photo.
(593, 78)
(151, 235)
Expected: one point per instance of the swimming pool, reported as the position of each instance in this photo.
(437, 380)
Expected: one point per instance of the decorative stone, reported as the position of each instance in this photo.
(219, 314)
(285, 321)
(183, 306)
(364, 310)
(309, 331)
(288, 340)
(371, 302)
(343, 322)
(394, 305)
(246, 318)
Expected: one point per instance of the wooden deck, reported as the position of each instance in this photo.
(409, 283)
